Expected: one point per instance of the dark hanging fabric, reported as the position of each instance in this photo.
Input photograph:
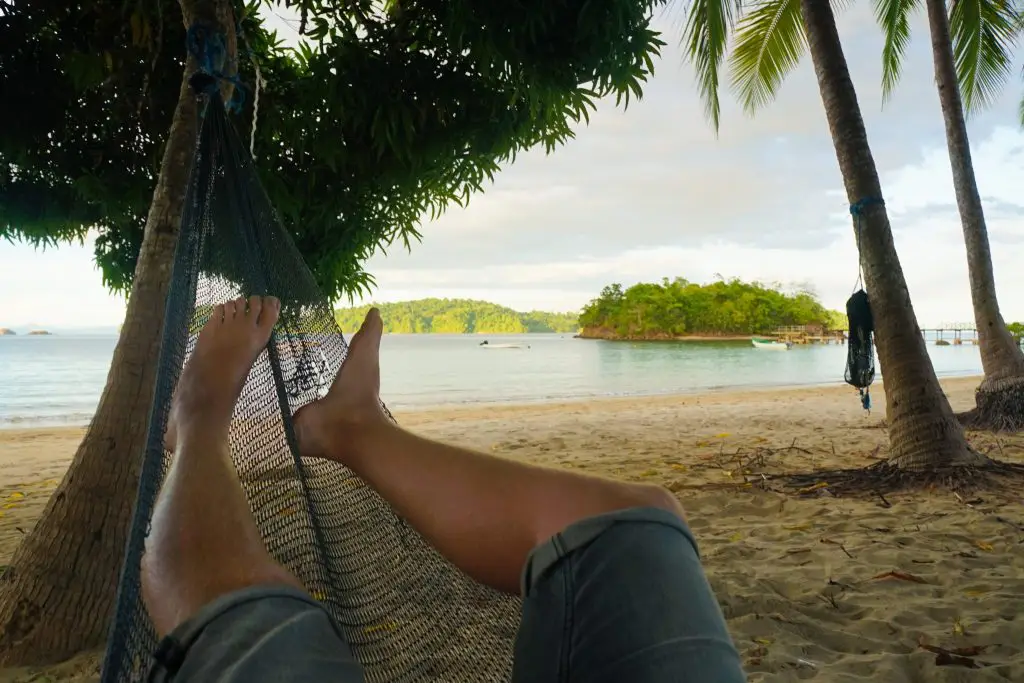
(860, 356)
(408, 614)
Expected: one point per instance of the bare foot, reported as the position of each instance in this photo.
(216, 371)
(328, 428)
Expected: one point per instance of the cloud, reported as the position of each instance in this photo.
(653, 192)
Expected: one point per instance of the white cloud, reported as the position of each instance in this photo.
(931, 250)
(652, 192)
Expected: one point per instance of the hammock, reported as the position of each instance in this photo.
(407, 613)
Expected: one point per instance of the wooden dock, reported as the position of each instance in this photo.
(952, 334)
(948, 334)
(809, 334)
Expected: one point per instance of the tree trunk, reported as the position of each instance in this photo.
(1001, 357)
(923, 432)
(57, 596)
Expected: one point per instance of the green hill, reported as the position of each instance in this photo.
(457, 316)
(677, 308)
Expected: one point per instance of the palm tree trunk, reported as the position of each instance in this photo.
(57, 595)
(1002, 391)
(923, 432)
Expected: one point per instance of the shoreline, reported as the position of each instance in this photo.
(719, 396)
(668, 338)
(500, 404)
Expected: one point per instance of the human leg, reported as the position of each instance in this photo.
(484, 513)
(228, 610)
(204, 541)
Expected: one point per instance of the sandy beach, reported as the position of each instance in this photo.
(814, 588)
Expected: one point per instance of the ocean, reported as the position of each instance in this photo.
(57, 380)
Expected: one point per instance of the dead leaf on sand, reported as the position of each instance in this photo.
(902, 576)
(957, 656)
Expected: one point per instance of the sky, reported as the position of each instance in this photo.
(652, 192)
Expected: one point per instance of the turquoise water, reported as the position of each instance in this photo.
(58, 379)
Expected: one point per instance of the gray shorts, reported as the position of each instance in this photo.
(619, 597)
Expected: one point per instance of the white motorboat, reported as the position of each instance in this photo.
(770, 344)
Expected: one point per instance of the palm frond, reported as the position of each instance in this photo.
(984, 33)
(893, 16)
(705, 38)
(769, 43)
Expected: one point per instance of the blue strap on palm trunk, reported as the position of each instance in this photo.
(209, 48)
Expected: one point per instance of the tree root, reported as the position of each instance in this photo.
(998, 408)
(883, 477)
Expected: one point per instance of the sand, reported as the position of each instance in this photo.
(814, 588)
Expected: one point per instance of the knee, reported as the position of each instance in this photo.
(651, 495)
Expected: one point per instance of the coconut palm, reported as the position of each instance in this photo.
(770, 38)
(972, 52)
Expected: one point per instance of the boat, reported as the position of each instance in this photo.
(770, 344)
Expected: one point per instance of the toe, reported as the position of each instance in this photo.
(217, 317)
(370, 332)
(255, 306)
(271, 309)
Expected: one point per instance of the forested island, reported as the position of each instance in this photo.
(457, 316)
(678, 309)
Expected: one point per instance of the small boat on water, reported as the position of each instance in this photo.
(770, 344)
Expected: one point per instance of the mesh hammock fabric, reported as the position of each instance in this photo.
(408, 614)
(860, 356)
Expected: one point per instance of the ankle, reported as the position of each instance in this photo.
(359, 439)
(322, 433)
(198, 435)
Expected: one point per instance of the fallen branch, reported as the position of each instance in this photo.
(902, 576)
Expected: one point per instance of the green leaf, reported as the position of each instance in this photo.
(705, 38)
(893, 18)
(984, 33)
(397, 113)
(769, 43)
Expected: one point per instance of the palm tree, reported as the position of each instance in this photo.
(771, 36)
(972, 62)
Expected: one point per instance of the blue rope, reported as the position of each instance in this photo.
(210, 50)
(857, 211)
(865, 399)
(857, 208)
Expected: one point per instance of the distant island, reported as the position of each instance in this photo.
(679, 309)
(7, 332)
(457, 316)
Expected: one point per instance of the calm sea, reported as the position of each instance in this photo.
(57, 380)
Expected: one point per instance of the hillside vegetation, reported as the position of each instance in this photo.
(678, 308)
(457, 316)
